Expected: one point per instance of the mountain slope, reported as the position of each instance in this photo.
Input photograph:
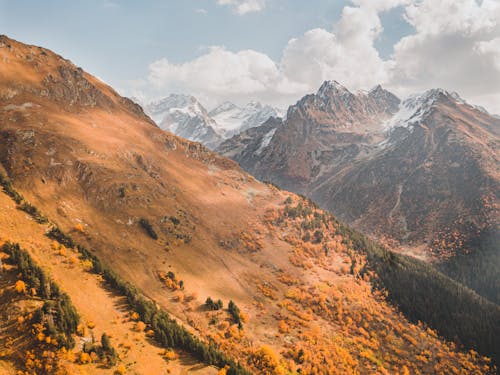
(181, 224)
(424, 177)
(103, 312)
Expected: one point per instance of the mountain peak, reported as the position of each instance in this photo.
(333, 87)
(232, 119)
(376, 88)
(384, 99)
(179, 99)
(416, 106)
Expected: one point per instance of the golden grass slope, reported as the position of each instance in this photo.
(101, 310)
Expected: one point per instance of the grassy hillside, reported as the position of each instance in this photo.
(33, 304)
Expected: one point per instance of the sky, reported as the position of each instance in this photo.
(273, 51)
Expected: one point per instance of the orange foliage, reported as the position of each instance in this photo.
(20, 286)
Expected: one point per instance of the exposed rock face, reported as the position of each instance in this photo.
(61, 81)
(247, 146)
(424, 172)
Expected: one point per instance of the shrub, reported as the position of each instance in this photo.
(212, 305)
(33, 212)
(9, 189)
(57, 234)
(235, 312)
(148, 228)
(20, 286)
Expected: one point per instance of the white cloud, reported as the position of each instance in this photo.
(455, 45)
(491, 49)
(347, 55)
(201, 11)
(219, 73)
(242, 7)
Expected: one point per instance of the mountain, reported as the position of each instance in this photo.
(320, 127)
(232, 119)
(422, 174)
(247, 146)
(185, 116)
(179, 261)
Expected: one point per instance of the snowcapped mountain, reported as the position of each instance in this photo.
(416, 106)
(186, 117)
(232, 119)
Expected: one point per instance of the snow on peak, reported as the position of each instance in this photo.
(254, 104)
(265, 141)
(379, 92)
(187, 103)
(232, 119)
(223, 107)
(413, 108)
(329, 87)
(185, 116)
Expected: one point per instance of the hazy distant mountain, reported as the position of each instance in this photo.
(423, 172)
(231, 119)
(186, 117)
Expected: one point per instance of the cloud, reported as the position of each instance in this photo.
(306, 62)
(218, 73)
(491, 49)
(455, 45)
(201, 11)
(242, 7)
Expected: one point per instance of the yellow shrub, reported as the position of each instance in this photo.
(85, 358)
(20, 286)
(140, 326)
(170, 355)
(79, 228)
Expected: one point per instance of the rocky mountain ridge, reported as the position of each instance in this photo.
(422, 173)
